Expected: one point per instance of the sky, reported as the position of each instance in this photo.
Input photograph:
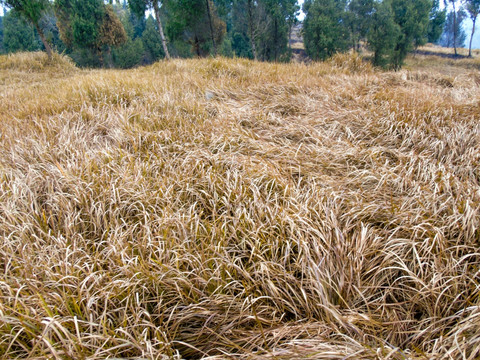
(467, 26)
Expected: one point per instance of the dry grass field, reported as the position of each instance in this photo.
(229, 209)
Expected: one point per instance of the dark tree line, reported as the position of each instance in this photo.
(118, 33)
(128, 33)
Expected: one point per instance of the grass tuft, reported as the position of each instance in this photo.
(36, 62)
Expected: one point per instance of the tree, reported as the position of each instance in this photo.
(412, 16)
(240, 30)
(79, 22)
(359, 17)
(436, 23)
(111, 32)
(455, 27)
(49, 25)
(89, 25)
(189, 23)
(136, 23)
(18, 34)
(291, 12)
(473, 9)
(271, 30)
(453, 32)
(398, 27)
(251, 26)
(1, 35)
(325, 31)
(210, 25)
(139, 7)
(32, 11)
(384, 34)
(152, 42)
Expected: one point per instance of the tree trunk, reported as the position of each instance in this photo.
(290, 36)
(160, 29)
(48, 49)
(275, 39)
(471, 38)
(454, 28)
(109, 57)
(98, 51)
(196, 46)
(211, 28)
(250, 29)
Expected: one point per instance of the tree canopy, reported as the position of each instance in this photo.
(325, 28)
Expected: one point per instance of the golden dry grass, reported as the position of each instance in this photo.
(442, 60)
(229, 209)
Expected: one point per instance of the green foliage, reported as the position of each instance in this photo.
(244, 28)
(112, 32)
(139, 7)
(189, 23)
(86, 21)
(325, 31)
(241, 44)
(413, 18)
(398, 26)
(127, 19)
(383, 35)
(358, 19)
(89, 25)
(49, 25)
(224, 10)
(129, 54)
(18, 35)
(85, 57)
(152, 43)
(31, 10)
(272, 41)
(436, 23)
(185, 23)
(79, 22)
(239, 30)
(181, 48)
(137, 23)
(226, 48)
(64, 14)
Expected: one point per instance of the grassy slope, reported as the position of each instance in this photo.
(210, 207)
